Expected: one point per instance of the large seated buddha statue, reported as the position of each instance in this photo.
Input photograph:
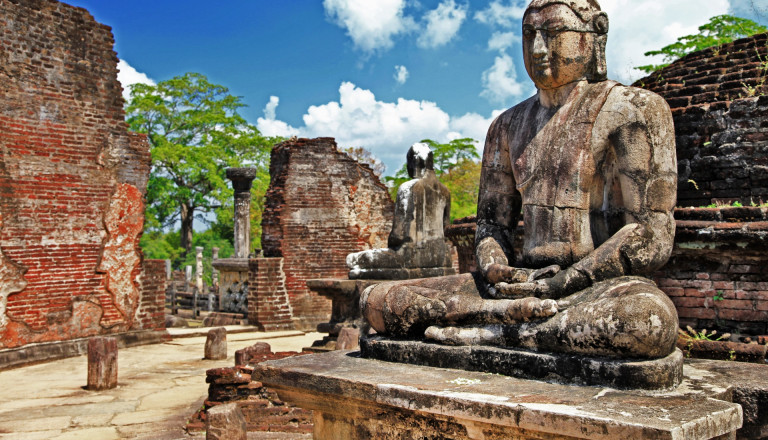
(590, 166)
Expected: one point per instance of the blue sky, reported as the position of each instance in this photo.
(381, 74)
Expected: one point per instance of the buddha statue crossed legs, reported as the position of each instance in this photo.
(590, 165)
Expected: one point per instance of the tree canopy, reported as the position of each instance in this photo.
(720, 30)
(195, 133)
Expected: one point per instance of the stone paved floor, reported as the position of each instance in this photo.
(159, 387)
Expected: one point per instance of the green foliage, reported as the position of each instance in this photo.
(195, 133)
(718, 296)
(463, 180)
(167, 246)
(720, 30)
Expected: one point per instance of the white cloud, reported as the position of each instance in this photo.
(499, 14)
(442, 24)
(637, 26)
(500, 81)
(386, 129)
(503, 40)
(127, 76)
(372, 25)
(401, 74)
(269, 126)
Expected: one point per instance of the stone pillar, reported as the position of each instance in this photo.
(199, 269)
(242, 178)
(225, 422)
(102, 363)
(216, 344)
(188, 273)
(215, 274)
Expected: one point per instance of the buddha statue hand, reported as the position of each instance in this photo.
(562, 284)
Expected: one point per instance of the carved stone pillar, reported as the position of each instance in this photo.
(242, 179)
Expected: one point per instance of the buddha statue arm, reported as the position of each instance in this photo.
(498, 208)
(403, 217)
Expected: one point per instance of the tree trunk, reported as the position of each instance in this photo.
(186, 215)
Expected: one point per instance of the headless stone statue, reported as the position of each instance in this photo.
(590, 165)
(416, 245)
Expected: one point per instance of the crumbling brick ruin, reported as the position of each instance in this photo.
(321, 206)
(719, 104)
(72, 180)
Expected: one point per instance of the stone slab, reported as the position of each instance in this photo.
(402, 273)
(354, 397)
(574, 369)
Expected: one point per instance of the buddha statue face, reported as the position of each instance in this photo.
(564, 43)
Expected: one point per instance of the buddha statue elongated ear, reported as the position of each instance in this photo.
(599, 71)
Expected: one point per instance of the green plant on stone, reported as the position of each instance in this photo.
(704, 335)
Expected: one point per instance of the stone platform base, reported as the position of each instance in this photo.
(355, 398)
(654, 374)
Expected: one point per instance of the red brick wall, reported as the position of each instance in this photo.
(321, 206)
(717, 275)
(72, 179)
(718, 102)
(268, 305)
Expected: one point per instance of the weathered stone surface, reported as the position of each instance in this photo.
(175, 321)
(216, 344)
(589, 165)
(102, 363)
(349, 339)
(654, 374)
(225, 422)
(362, 398)
(416, 245)
(242, 178)
(72, 180)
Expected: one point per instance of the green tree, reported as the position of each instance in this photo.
(195, 133)
(720, 30)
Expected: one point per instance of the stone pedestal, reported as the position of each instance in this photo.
(233, 285)
(354, 398)
(216, 344)
(345, 307)
(102, 363)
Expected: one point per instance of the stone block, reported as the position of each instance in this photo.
(225, 422)
(256, 352)
(349, 339)
(216, 344)
(102, 363)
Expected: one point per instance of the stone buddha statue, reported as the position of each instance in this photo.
(416, 247)
(590, 165)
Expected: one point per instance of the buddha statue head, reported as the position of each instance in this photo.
(564, 41)
(419, 159)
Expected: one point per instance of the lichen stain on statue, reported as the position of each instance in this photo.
(417, 247)
(590, 165)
